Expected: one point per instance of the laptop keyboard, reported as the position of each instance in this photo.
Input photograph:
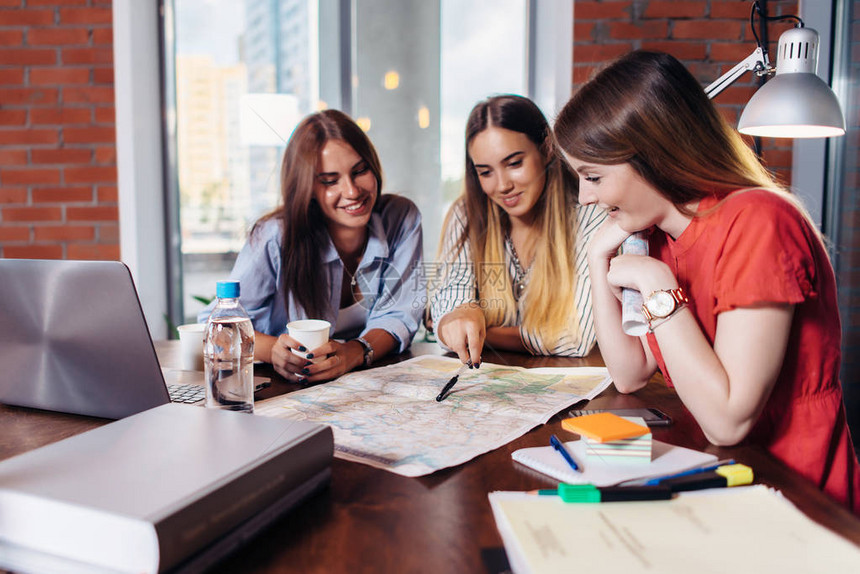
(186, 393)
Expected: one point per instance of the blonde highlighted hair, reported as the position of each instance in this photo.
(548, 305)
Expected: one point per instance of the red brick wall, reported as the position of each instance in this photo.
(58, 186)
(709, 36)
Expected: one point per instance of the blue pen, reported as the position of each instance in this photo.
(557, 445)
(714, 466)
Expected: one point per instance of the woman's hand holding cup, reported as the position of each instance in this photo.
(303, 345)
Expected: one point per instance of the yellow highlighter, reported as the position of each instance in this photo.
(726, 475)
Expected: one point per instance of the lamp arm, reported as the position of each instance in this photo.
(757, 61)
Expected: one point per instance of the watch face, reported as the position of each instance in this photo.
(660, 304)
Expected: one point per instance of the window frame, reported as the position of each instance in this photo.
(145, 124)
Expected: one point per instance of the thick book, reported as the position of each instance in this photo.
(171, 488)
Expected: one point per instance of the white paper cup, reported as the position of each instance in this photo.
(191, 346)
(311, 333)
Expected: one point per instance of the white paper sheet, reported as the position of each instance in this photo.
(718, 531)
(666, 459)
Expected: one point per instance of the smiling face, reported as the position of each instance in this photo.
(345, 187)
(511, 170)
(631, 201)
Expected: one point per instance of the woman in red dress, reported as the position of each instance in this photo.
(739, 291)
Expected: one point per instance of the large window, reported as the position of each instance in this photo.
(842, 209)
(246, 72)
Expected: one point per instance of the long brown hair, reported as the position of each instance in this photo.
(303, 222)
(647, 110)
(549, 300)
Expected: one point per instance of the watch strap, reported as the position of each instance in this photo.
(368, 350)
(659, 321)
(678, 296)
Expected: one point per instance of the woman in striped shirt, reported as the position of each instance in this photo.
(514, 244)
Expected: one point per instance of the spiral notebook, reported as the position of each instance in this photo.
(665, 459)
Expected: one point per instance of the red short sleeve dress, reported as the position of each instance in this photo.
(753, 248)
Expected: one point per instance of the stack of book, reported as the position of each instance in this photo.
(612, 438)
(174, 488)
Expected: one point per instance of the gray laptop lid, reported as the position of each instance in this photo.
(73, 339)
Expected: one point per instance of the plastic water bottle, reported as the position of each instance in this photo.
(228, 353)
(632, 319)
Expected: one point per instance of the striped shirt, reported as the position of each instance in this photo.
(458, 284)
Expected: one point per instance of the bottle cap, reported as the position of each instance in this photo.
(227, 289)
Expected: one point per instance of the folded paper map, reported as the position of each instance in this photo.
(389, 418)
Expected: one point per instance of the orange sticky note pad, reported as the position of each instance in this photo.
(604, 427)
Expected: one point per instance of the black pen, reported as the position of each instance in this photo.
(452, 382)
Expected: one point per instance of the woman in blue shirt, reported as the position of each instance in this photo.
(335, 249)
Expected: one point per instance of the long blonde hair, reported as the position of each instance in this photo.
(549, 303)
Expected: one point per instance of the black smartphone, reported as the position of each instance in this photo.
(653, 417)
(259, 386)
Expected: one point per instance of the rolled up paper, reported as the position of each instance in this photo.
(632, 319)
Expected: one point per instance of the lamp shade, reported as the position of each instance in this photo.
(796, 103)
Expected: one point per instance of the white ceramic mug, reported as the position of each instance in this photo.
(191, 346)
(311, 333)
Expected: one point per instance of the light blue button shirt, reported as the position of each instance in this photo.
(390, 275)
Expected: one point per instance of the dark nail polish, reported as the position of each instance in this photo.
(302, 348)
(309, 356)
(308, 363)
(306, 372)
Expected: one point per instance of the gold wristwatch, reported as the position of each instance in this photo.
(663, 303)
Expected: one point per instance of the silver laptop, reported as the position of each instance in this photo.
(73, 339)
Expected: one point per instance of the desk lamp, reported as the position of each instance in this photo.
(796, 103)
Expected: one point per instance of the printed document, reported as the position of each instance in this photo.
(738, 529)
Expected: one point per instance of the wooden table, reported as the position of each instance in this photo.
(370, 520)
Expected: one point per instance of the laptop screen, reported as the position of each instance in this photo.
(73, 339)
